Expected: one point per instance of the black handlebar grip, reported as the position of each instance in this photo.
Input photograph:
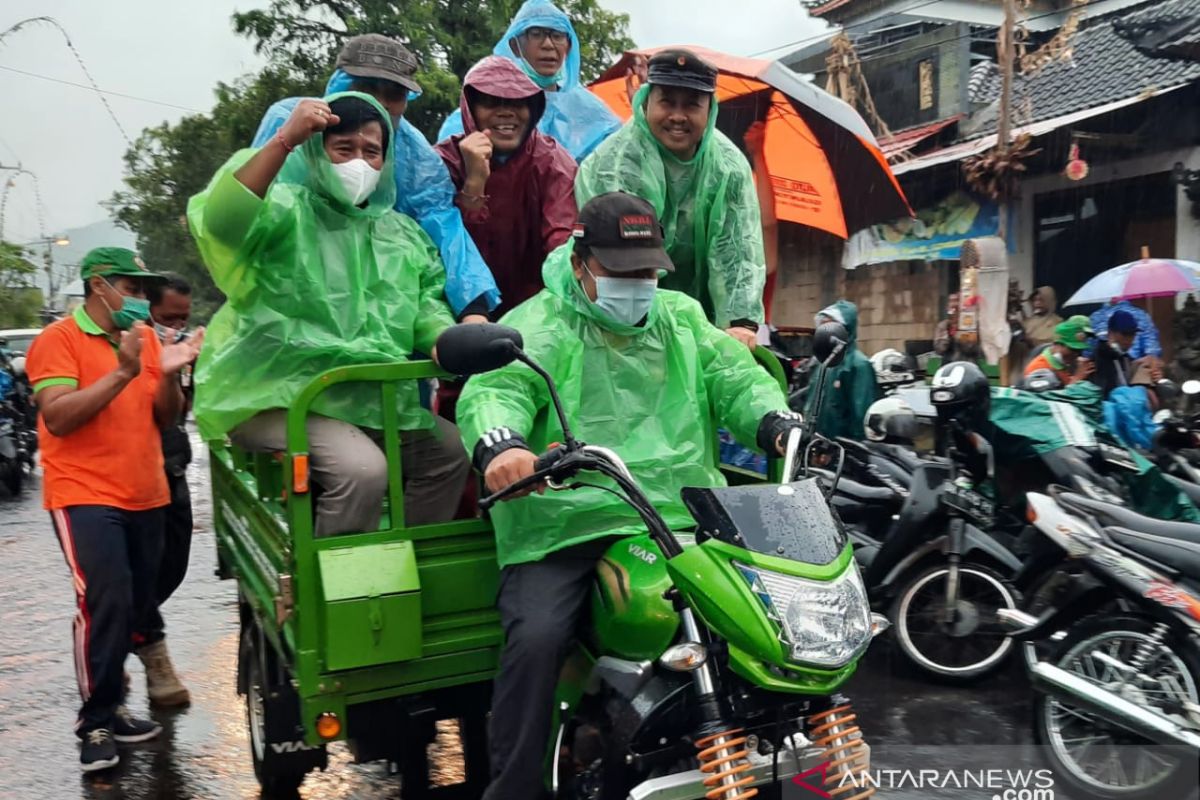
(549, 458)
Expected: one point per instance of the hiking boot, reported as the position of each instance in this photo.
(128, 728)
(98, 751)
(162, 684)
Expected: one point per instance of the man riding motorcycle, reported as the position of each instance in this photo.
(638, 369)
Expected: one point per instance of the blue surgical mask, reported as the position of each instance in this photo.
(625, 300)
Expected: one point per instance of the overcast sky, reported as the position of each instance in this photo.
(173, 52)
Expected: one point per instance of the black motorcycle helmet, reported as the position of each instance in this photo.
(960, 392)
(1042, 380)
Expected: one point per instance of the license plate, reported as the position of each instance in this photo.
(969, 502)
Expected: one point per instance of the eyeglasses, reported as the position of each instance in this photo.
(539, 35)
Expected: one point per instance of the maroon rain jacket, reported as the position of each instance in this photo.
(531, 196)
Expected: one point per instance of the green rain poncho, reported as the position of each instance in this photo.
(312, 283)
(1029, 424)
(850, 388)
(707, 206)
(654, 394)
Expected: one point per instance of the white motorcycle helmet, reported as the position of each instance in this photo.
(891, 368)
(890, 419)
(18, 366)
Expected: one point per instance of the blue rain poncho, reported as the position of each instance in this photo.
(423, 191)
(575, 118)
(1128, 416)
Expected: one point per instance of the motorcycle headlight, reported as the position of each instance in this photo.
(825, 623)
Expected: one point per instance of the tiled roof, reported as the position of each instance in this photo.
(902, 141)
(1170, 30)
(821, 9)
(1104, 67)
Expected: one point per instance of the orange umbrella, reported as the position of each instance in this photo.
(826, 168)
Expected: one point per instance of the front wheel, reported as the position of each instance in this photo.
(1102, 760)
(956, 641)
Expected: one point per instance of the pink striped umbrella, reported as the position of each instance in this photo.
(1149, 277)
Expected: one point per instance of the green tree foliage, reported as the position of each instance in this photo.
(301, 38)
(448, 36)
(20, 300)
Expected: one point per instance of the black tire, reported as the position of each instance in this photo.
(1050, 717)
(967, 649)
(14, 476)
(279, 773)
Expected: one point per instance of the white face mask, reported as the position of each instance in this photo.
(358, 178)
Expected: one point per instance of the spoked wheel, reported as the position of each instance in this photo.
(1100, 759)
(280, 757)
(959, 641)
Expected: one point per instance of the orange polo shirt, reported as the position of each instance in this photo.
(1043, 362)
(116, 458)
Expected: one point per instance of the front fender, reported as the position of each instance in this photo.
(978, 542)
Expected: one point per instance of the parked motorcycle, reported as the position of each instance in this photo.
(1115, 660)
(923, 532)
(713, 661)
(18, 439)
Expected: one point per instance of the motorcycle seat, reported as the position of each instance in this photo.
(1178, 555)
(1109, 515)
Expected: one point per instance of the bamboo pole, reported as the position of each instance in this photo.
(1007, 58)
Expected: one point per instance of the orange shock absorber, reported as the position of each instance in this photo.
(842, 746)
(723, 760)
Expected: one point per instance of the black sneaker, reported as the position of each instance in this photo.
(98, 751)
(127, 728)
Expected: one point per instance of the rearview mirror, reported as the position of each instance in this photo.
(829, 343)
(1191, 387)
(475, 349)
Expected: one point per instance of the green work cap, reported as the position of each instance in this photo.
(1074, 332)
(106, 261)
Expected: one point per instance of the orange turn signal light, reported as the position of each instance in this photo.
(1030, 513)
(328, 725)
(300, 473)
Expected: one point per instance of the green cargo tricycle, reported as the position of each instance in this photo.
(711, 664)
(369, 638)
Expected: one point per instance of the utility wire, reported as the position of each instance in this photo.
(101, 91)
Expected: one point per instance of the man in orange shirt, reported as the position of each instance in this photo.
(1064, 356)
(105, 387)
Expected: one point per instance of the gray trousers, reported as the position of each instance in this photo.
(351, 470)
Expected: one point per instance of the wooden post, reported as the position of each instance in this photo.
(1006, 57)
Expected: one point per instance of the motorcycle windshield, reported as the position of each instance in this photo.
(790, 520)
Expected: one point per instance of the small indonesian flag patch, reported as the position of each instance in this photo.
(636, 226)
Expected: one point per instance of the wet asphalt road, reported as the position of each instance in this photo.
(203, 751)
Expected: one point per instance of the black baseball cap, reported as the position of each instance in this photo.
(374, 55)
(683, 68)
(623, 233)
